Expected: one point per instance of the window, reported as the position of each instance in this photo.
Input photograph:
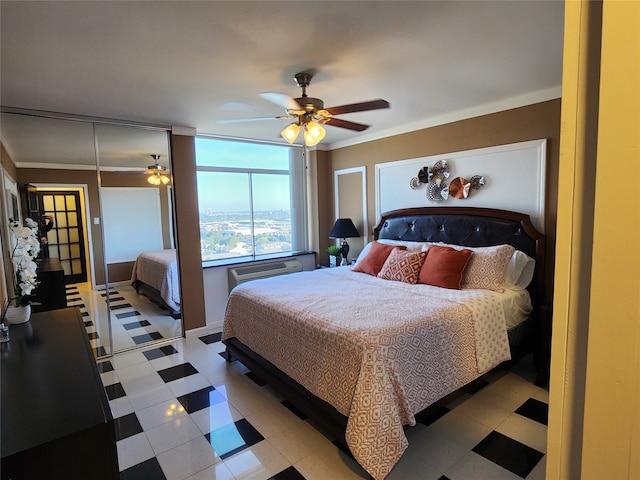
(251, 199)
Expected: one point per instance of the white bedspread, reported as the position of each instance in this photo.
(379, 351)
(159, 269)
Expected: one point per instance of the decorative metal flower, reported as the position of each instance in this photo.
(438, 190)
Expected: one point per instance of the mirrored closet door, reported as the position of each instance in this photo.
(102, 194)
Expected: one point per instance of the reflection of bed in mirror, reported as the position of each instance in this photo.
(155, 275)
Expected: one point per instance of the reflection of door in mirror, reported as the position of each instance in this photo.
(56, 159)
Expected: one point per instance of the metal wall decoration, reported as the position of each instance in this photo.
(438, 190)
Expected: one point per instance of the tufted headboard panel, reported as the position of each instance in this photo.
(468, 226)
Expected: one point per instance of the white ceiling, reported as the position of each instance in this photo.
(188, 63)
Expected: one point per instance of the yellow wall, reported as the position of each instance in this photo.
(594, 425)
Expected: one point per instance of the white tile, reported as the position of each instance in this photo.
(133, 450)
(138, 377)
(172, 434)
(121, 407)
(121, 360)
(477, 467)
(160, 413)
(526, 431)
(461, 430)
(188, 384)
(508, 392)
(299, 442)
(330, 462)
(151, 396)
(218, 471)
(216, 416)
(167, 361)
(257, 462)
(273, 419)
(187, 459)
(480, 411)
(539, 472)
(427, 453)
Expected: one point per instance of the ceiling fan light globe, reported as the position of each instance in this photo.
(291, 132)
(153, 180)
(313, 134)
(164, 179)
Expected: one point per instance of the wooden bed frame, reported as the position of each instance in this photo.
(473, 227)
(153, 294)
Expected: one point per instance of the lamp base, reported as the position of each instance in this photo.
(344, 251)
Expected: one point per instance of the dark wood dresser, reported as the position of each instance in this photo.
(51, 292)
(55, 415)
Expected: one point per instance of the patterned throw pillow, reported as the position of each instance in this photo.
(488, 267)
(402, 266)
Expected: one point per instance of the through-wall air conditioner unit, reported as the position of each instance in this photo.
(238, 275)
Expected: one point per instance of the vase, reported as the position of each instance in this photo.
(19, 314)
(334, 260)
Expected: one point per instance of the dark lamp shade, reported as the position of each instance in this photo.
(344, 228)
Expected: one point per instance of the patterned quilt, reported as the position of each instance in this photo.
(159, 269)
(379, 351)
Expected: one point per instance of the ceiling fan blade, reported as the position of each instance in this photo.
(285, 101)
(358, 107)
(337, 122)
(253, 119)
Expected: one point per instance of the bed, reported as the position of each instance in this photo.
(370, 356)
(155, 275)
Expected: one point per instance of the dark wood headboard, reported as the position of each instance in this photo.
(471, 227)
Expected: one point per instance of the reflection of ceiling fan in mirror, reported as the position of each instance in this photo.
(158, 174)
(309, 113)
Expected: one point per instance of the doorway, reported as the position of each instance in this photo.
(59, 215)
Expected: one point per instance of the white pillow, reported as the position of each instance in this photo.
(519, 271)
(411, 246)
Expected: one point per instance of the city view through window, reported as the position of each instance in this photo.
(244, 197)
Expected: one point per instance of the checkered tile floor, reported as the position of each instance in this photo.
(183, 412)
(135, 319)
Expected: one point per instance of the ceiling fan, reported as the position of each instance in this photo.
(309, 113)
(157, 173)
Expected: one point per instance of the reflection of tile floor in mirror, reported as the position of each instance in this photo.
(182, 412)
(135, 319)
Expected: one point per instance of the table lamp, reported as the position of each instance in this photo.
(344, 228)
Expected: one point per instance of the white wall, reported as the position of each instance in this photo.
(216, 289)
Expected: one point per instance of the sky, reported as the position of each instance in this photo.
(229, 191)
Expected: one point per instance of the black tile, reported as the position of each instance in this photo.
(120, 316)
(176, 372)
(74, 299)
(71, 287)
(288, 474)
(443, 477)
(160, 352)
(79, 305)
(132, 325)
(88, 323)
(233, 438)
(194, 401)
(118, 307)
(93, 335)
(115, 299)
(84, 314)
(104, 367)
(299, 413)
(147, 470)
(111, 292)
(535, 410)
(127, 426)
(255, 379)
(99, 352)
(508, 453)
(115, 391)
(147, 337)
(213, 338)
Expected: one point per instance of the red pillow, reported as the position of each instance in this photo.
(444, 267)
(374, 260)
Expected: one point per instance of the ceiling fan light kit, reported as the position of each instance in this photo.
(157, 173)
(309, 113)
